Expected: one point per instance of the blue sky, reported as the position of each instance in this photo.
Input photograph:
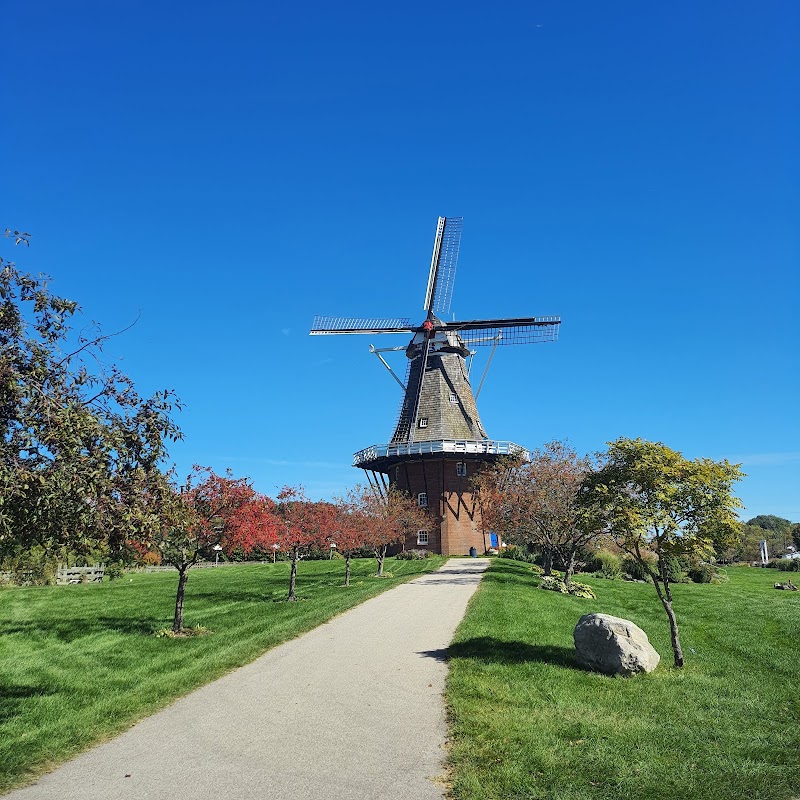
(228, 171)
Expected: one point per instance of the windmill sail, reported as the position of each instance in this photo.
(340, 325)
(442, 275)
(525, 330)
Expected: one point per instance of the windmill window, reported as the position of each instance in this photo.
(422, 537)
(423, 422)
(422, 499)
(461, 469)
(454, 398)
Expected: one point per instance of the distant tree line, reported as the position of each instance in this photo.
(780, 534)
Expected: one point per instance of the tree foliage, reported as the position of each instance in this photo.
(207, 511)
(535, 503)
(350, 528)
(390, 517)
(769, 522)
(655, 501)
(80, 448)
(302, 524)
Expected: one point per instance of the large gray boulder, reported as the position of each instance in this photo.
(614, 646)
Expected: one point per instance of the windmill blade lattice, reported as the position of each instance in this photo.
(339, 325)
(443, 265)
(504, 332)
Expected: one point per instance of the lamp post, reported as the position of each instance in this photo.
(216, 548)
(333, 547)
(275, 549)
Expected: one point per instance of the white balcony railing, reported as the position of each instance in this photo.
(455, 446)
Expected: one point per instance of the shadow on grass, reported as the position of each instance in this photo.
(489, 649)
(12, 698)
(70, 629)
(521, 578)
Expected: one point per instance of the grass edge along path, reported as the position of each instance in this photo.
(80, 664)
(525, 722)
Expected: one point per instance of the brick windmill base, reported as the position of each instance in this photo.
(438, 474)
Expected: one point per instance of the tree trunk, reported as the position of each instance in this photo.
(547, 562)
(570, 569)
(347, 570)
(293, 576)
(380, 554)
(666, 601)
(177, 621)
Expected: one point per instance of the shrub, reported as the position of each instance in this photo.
(606, 564)
(517, 554)
(581, 590)
(413, 555)
(576, 589)
(674, 569)
(32, 567)
(114, 570)
(788, 564)
(702, 572)
(552, 584)
(633, 569)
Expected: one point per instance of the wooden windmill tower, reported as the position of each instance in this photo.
(439, 442)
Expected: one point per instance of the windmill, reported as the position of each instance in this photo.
(439, 441)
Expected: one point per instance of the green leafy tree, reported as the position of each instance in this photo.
(655, 501)
(80, 448)
(796, 535)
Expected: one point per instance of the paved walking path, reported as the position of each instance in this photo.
(350, 710)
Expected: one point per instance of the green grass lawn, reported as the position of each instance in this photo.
(527, 723)
(80, 663)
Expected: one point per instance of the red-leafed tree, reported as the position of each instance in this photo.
(195, 518)
(255, 526)
(350, 528)
(536, 503)
(391, 516)
(301, 525)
